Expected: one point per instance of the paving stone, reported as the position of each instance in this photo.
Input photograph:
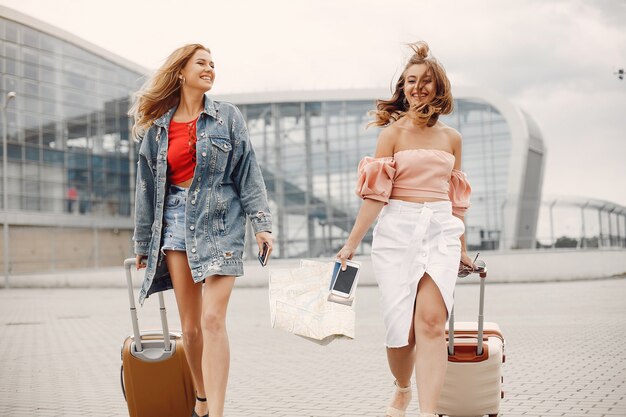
(60, 353)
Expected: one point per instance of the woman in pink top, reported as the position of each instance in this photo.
(416, 189)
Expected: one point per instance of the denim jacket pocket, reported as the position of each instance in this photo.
(220, 152)
(219, 219)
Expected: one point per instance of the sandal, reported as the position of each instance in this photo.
(394, 412)
(194, 414)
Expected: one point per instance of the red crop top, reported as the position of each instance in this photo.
(181, 151)
(426, 173)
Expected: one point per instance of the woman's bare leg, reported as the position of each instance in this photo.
(216, 350)
(401, 362)
(431, 355)
(189, 301)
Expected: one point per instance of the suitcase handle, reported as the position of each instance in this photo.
(128, 264)
(481, 319)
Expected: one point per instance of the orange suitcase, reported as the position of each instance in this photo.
(155, 376)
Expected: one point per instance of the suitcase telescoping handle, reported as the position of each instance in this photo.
(481, 319)
(128, 264)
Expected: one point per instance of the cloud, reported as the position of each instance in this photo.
(540, 44)
(585, 139)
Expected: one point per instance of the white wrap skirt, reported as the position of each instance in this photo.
(411, 239)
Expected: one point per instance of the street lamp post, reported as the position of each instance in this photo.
(5, 192)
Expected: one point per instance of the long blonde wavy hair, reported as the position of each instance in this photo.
(162, 91)
(389, 111)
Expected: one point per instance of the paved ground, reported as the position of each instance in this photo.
(60, 353)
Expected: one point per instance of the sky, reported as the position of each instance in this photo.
(554, 59)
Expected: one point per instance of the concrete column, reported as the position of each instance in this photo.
(600, 236)
(502, 244)
(611, 227)
(308, 172)
(279, 183)
(624, 217)
(582, 243)
(618, 235)
(552, 224)
(329, 205)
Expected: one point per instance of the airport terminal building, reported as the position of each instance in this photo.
(70, 160)
(71, 163)
(309, 145)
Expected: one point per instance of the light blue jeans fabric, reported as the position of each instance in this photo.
(174, 219)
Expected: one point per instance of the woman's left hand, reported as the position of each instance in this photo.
(267, 238)
(467, 261)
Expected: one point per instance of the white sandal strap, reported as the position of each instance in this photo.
(402, 389)
(394, 412)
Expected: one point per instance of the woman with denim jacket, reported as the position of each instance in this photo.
(415, 187)
(197, 180)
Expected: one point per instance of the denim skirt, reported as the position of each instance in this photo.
(174, 219)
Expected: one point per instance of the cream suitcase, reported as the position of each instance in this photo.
(473, 383)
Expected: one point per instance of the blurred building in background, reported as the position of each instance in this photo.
(71, 163)
(309, 145)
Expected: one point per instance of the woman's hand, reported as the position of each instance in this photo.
(467, 261)
(345, 253)
(140, 261)
(267, 238)
(466, 265)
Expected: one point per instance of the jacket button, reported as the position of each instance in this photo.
(193, 250)
(199, 273)
(193, 201)
(192, 227)
(203, 153)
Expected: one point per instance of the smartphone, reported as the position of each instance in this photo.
(264, 255)
(344, 282)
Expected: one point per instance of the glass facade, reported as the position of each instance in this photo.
(309, 153)
(67, 129)
(486, 160)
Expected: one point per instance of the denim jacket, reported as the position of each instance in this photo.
(227, 185)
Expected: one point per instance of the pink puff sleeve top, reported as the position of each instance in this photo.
(459, 192)
(375, 179)
(415, 173)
